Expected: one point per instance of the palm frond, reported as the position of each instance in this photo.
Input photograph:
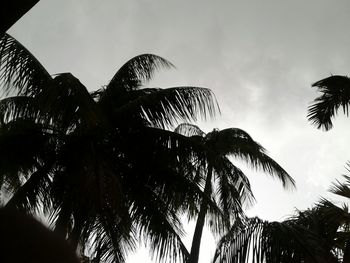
(235, 246)
(336, 94)
(237, 143)
(18, 107)
(112, 240)
(165, 107)
(189, 130)
(87, 166)
(136, 71)
(20, 72)
(334, 216)
(67, 102)
(236, 182)
(159, 226)
(229, 202)
(168, 163)
(33, 193)
(22, 146)
(342, 189)
(293, 240)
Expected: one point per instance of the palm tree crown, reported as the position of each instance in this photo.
(336, 94)
(100, 164)
(317, 235)
(231, 188)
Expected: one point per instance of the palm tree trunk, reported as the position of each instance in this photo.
(197, 236)
(346, 256)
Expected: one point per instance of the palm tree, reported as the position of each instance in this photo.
(303, 238)
(100, 164)
(336, 94)
(232, 186)
(341, 215)
(320, 234)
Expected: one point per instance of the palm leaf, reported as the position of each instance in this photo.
(166, 162)
(292, 240)
(87, 165)
(237, 143)
(107, 236)
(160, 227)
(66, 102)
(33, 193)
(18, 107)
(20, 72)
(22, 146)
(189, 130)
(341, 189)
(235, 245)
(136, 71)
(336, 94)
(236, 182)
(164, 107)
(335, 216)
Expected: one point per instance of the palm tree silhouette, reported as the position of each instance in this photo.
(320, 234)
(336, 94)
(100, 164)
(232, 187)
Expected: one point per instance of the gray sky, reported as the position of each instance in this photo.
(259, 58)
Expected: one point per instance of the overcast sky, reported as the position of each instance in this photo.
(258, 57)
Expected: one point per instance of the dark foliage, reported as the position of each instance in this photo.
(336, 94)
(100, 164)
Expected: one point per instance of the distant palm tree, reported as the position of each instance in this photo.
(336, 94)
(221, 180)
(299, 239)
(100, 163)
(317, 235)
